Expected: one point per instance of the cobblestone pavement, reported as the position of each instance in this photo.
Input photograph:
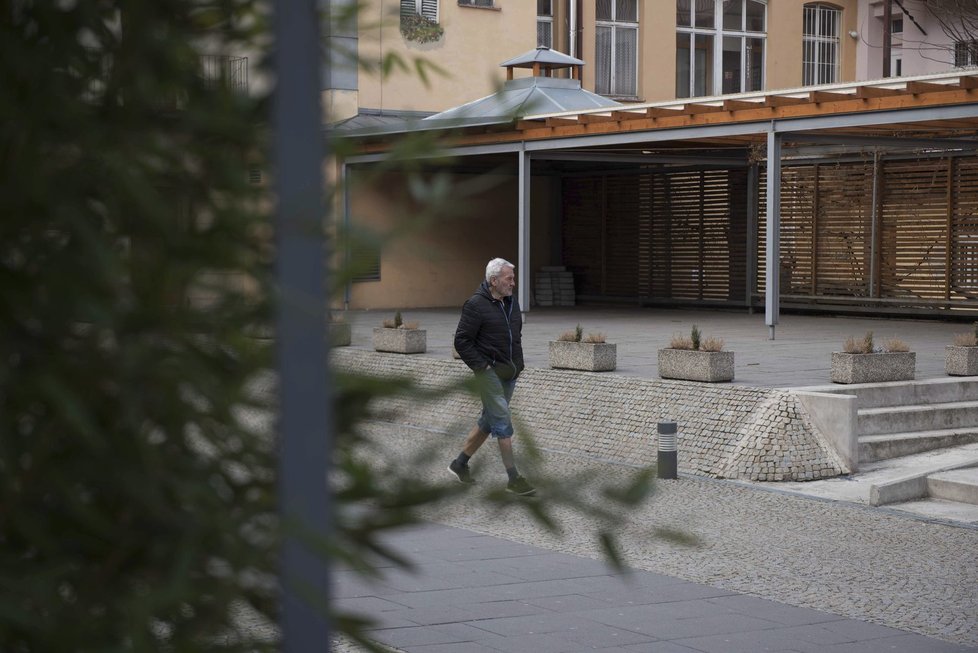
(848, 559)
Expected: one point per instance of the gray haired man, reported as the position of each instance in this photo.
(488, 339)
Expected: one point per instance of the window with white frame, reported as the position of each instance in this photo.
(616, 48)
(720, 46)
(545, 23)
(965, 54)
(820, 44)
(476, 3)
(426, 8)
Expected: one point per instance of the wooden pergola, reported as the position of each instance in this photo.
(927, 114)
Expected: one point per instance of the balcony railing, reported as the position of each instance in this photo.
(223, 71)
(216, 70)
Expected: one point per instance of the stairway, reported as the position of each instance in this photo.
(912, 417)
(903, 418)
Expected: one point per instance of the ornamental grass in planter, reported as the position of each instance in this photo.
(863, 362)
(340, 333)
(961, 358)
(572, 350)
(400, 337)
(694, 358)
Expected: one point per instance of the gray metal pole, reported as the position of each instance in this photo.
(525, 177)
(305, 421)
(752, 211)
(887, 36)
(772, 283)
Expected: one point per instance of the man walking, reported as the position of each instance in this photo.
(488, 339)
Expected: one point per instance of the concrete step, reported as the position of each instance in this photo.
(904, 393)
(960, 485)
(929, 417)
(953, 511)
(873, 448)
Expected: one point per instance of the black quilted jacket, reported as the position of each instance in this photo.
(490, 333)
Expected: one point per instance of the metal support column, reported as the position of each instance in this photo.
(753, 189)
(874, 220)
(772, 285)
(523, 264)
(305, 397)
(344, 182)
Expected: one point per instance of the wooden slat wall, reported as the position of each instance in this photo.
(798, 191)
(621, 236)
(926, 246)
(583, 232)
(658, 236)
(964, 229)
(844, 229)
(913, 234)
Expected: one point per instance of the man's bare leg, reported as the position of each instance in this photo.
(472, 443)
(506, 451)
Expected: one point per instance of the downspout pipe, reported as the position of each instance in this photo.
(572, 44)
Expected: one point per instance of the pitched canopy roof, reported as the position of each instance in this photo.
(543, 56)
(541, 93)
(526, 96)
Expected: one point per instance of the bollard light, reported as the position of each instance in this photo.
(668, 456)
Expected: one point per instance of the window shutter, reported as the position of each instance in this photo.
(364, 260)
(429, 9)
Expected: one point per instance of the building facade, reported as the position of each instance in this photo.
(636, 50)
(880, 219)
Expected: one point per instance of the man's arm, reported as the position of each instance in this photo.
(465, 335)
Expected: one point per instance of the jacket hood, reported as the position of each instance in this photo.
(484, 290)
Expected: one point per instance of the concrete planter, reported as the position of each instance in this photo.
(960, 361)
(873, 368)
(587, 356)
(340, 334)
(693, 365)
(401, 341)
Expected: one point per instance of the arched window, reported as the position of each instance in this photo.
(821, 44)
(720, 46)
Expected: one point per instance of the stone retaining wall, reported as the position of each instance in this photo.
(727, 431)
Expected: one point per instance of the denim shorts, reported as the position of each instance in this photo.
(496, 418)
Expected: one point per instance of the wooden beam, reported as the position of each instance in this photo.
(927, 87)
(826, 96)
(696, 107)
(560, 122)
(659, 112)
(530, 124)
(629, 115)
(968, 82)
(735, 105)
(867, 92)
(783, 100)
(589, 118)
